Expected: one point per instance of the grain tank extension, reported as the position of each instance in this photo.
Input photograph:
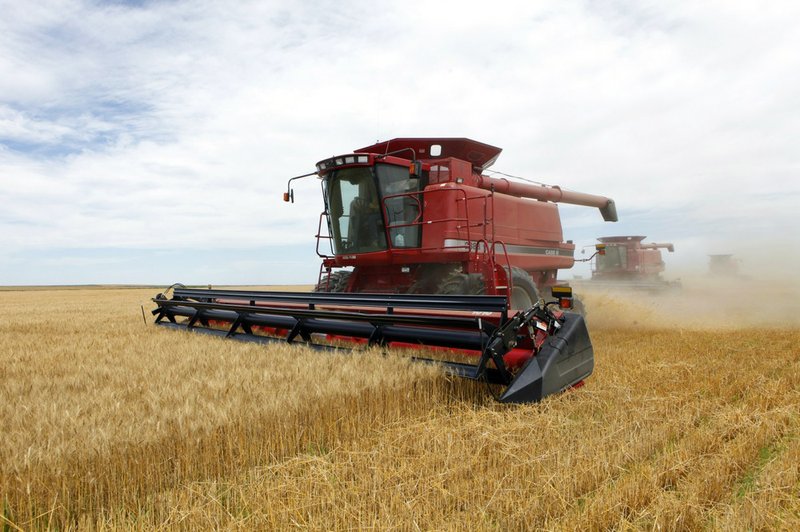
(420, 248)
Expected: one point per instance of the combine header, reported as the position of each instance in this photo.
(425, 251)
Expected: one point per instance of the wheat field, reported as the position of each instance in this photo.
(690, 421)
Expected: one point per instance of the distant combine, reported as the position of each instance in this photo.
(723, 265)
(626, 262)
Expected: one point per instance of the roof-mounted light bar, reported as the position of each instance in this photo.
(342, 160)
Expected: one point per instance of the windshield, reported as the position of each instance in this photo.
(356, 220)
(616, 258)
(355, 215)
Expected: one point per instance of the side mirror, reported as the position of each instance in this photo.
(415, 169)
(288, 196)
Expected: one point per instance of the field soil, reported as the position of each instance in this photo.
(690, 420)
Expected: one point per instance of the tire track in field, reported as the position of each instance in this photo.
(770, 496)
(643, 494)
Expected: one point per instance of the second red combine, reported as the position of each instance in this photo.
(627, 262)
(420, 248)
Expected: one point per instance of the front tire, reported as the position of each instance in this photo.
(523, 290)
(333, 282)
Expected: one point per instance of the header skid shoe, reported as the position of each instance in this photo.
(532, 354)
(565, 359)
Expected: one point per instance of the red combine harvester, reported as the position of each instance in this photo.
(627, 262)
(424, 250)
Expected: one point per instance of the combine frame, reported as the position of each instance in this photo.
(426, 251)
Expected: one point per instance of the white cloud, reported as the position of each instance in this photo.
(176, 124)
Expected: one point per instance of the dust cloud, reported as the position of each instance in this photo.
(699, 303)
(759, 287)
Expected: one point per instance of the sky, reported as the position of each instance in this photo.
(149, 142)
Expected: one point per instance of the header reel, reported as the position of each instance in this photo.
(532, 354)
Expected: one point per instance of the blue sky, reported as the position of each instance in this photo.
(150, 142)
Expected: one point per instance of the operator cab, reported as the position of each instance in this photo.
(615, 259)
(363, 201)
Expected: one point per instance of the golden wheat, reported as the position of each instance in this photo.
(111, 423)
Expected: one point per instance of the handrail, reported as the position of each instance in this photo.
(320, 235)
(510, 278)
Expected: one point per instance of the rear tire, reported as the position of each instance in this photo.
(457, 283)
(445, 279)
